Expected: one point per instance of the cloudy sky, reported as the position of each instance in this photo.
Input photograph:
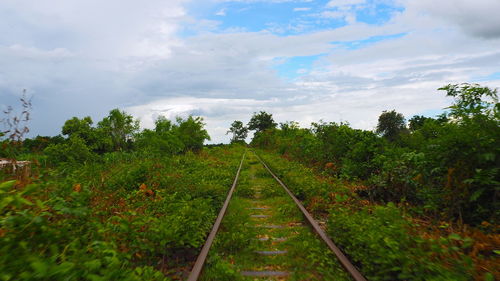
(301, 60)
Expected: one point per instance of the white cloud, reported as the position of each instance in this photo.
(341, 3)
(129, 55)
(478, 18)
(221, 12)
(333, 14)
(94, 28)
(301, 9)
(218, 113)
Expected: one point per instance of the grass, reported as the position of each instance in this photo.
(306, 257)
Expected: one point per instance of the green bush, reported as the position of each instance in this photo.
(447, 167)
(380, 240)
(74, 150)
(124, 217)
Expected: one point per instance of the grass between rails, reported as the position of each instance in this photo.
(385, 242)
(282, 229)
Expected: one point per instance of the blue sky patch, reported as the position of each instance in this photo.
(433, 113)
(293, 17)
(492, 76)
(358, 44)
(294, 67)
(377, 13)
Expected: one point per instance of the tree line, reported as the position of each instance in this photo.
(82, 141)
(446, 167)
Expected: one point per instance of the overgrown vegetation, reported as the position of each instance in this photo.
(112, 203)
(414, 192)
(127, 217)
(108, 201)
(384, 240)
(306, 257)
(447, 167)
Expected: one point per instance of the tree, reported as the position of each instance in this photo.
(81, 128)
(163, 125)
(391, 124)
(289, 126)
(417, 122)
(239, 131)
(261, 121)
(192, 133)
(39, 143)
(117, 130)
(472, 100)
(164, 139)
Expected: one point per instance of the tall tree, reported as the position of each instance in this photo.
(164, 139)
(192, 132)
(81, 128)
(417, 121)
(391, 124)
(163, 125)
(239, 131)
(261, 121)
(118, 129)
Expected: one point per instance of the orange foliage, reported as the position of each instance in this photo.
(481, 250)
(418, 178)
(77, 187)
(143, 188)
(331, 166)
(485, 260)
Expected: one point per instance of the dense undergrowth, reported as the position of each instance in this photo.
(128, 216)
(422, 201)
(447, 168)
(382, 240)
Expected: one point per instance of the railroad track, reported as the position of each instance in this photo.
(268, 235)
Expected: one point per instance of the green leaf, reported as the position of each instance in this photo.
(489, 156)
(7, 185)
(6, 201)
(94, 277)
(40, 268)
(93, 264)
(489, 277)
(29, 189)
(476, 195)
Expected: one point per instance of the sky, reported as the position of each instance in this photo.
(301, 60)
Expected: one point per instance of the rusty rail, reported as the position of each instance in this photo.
(353, 271)
(200, 261)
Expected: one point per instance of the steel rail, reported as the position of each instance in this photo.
(338, 253)
(200, 261)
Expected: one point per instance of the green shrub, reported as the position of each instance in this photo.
(127, 216)
(74, 151)
(381, 241)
